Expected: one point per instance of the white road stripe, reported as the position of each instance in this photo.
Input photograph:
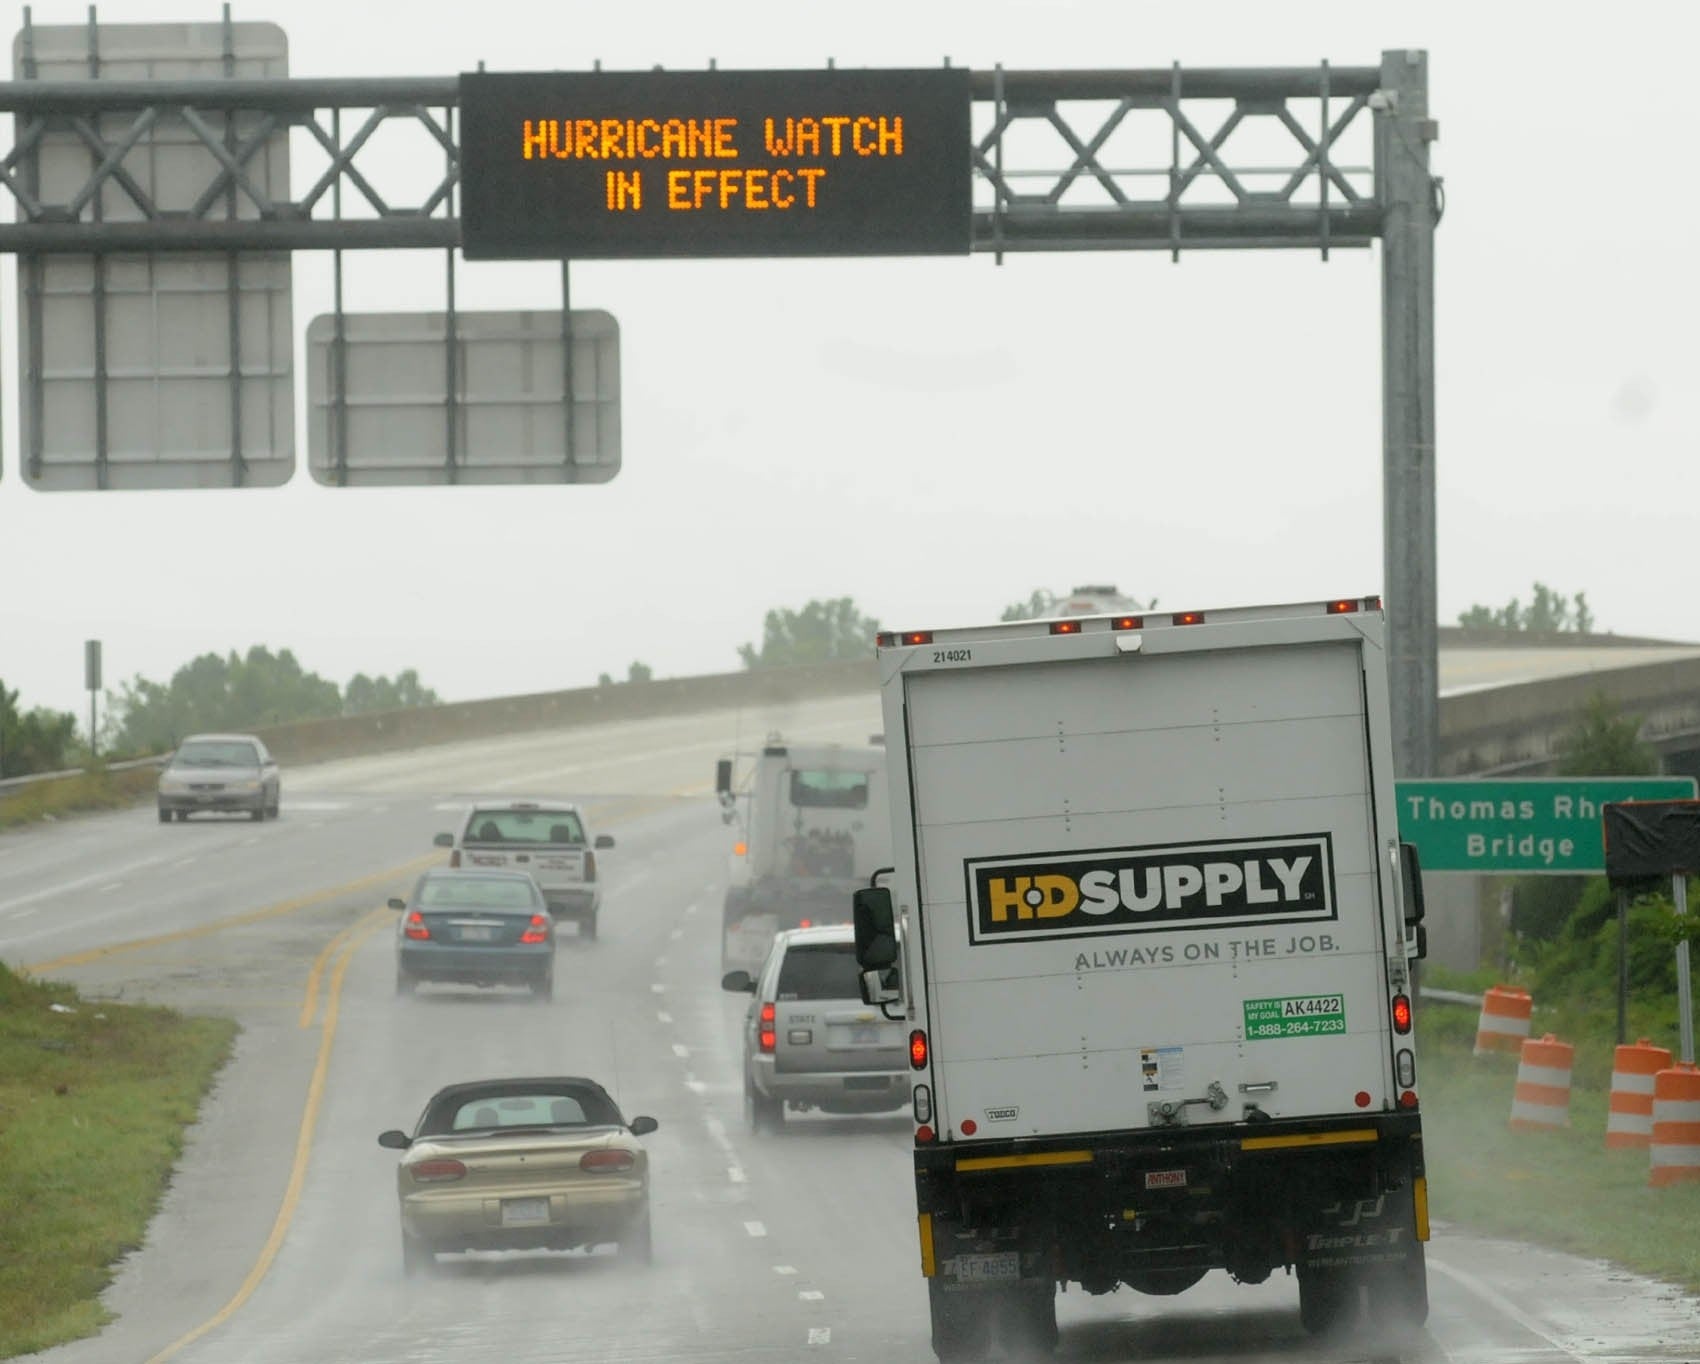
(690, 909)
(114, 885)
(755, 1228)
(810, 1295)
(188, 861)
(664, 1017)
(820, 1335)
(661, 961)
(1503, 1305)
(784, 1269)
(48, 892)
(659, 988)
(24, 913)
(680, 1051)
(678, 933)
(736, 1175)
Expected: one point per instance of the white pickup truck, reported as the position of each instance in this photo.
(1156, 928)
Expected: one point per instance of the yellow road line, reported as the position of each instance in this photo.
(252, 916)
(310, 998)
(362, 930)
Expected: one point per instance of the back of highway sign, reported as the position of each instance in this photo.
(1543, 825)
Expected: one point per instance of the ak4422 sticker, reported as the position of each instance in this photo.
(1159, 888)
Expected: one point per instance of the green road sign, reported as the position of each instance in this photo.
(1535, 825)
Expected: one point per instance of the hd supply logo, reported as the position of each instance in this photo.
(1154, 889)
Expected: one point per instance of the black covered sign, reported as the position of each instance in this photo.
(1648, 838)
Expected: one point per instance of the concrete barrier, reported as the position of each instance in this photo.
(384, 731)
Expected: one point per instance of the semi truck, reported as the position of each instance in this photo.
(1151, 930)
(811, 823)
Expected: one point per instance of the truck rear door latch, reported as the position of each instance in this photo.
(1172, 1112)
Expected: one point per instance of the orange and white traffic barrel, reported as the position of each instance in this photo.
(1676, 1125)
(1629, 1123)
(1504, 1021)
(1541, 1101)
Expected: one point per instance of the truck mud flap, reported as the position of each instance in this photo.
(1358, 1233)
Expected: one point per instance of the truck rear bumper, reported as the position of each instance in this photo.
(1155, 1209)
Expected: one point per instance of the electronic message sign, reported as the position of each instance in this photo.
(624, 165)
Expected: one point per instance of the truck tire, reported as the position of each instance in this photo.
(1399, 1294)
(962, 1325)
(1029, 1320)
(1326, 1299)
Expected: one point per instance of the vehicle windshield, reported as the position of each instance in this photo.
(478, 892)
(217, 753)
(568, 1106)
(825, 788)
(543, 827)
(819, 970)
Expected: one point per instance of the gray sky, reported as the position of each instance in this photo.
(937, 437)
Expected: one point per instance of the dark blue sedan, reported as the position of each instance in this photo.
(475, 928)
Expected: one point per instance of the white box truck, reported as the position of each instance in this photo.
(1155, 928)
(813, 823)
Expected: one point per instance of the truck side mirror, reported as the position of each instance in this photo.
(880, 987)
(1411, 871)
(443, 841)
(723, 777)
(1421, 943)
(876, 929)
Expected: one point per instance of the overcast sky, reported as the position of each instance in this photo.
(936, 438)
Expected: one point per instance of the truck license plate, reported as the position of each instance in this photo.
(524, 1212)
(984, 1268)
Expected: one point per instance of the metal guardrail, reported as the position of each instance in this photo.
(17, 783)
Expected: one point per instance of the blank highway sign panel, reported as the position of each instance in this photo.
(381, 414)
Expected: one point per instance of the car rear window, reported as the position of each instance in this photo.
(826, 789)
(522, 1108)
(524, 826)
(825, 970)
(217, 753)
(477, 892)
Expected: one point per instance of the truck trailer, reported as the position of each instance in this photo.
(1155, 929)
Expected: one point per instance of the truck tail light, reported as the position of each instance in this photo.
(416, 927)
(1401, 1014)
(438, 1171)
(1065, 627)
(1187, 618)
(918, 1049)
(607, 1162)
(537, 930)
(1128, 623)
(889, 639)
(1342, 607)
(767, 1035)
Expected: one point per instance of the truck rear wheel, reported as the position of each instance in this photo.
(962, 1324)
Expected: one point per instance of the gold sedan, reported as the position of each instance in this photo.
(522, 1165)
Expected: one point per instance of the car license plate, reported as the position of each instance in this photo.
(524, 1212)
(854, 1034)
(984, 1268)
(477, 933)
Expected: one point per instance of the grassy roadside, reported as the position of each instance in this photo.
(98, 790)
(1559, 1189)
(93, 1105)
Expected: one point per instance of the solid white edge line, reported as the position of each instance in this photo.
(1503, 1305)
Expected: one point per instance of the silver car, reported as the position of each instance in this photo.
(809, 1041)
(220, 772)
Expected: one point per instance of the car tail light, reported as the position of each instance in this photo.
(537, 930)
(438, 1171)
(607, 1162)
(416, 927)
(918, 1050)
(1401, 1014)
(454, 858)
(589, 866)
(767, 1035)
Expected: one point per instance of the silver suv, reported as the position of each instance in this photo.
(809, 1041)
(544, 838)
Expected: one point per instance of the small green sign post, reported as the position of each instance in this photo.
(1545, 825)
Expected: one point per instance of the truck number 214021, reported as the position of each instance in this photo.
(952, 655)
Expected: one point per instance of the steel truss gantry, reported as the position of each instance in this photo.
(1064, 161)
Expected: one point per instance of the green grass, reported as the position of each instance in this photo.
(1559, 1189)
(93, 1105)
(97, 790)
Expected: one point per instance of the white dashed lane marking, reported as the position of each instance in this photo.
(810, 1295)
(681, 1052)
(784, 1269)
(820, 1335)
(664, 1017)
(755, 1228)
